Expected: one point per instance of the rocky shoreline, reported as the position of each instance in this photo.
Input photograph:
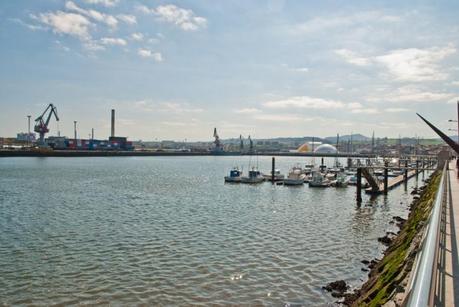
(388, 277)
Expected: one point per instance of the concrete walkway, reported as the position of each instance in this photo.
(448, 277)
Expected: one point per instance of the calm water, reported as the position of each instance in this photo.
(167, 230)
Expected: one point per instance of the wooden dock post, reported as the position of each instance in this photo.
(417, 167)
(406, 170)
(386, 176)
(273, 168)
(359, 185)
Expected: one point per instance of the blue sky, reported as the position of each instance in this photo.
(176, 69)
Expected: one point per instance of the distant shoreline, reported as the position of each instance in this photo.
(95, 153)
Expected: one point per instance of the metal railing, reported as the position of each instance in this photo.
(425, 271)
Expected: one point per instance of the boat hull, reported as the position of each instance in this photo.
(253, 180)
(288, 181)
(232, 179)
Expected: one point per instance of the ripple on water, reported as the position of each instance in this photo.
(166, 230)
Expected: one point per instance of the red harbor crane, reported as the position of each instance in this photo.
(41, 125)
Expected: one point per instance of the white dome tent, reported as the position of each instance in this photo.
(326, 149)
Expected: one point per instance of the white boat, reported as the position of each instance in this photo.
(235, 175)
(253, 177)
(277, 175)
(308, 169)
(341, 181)
(295, 177)
(318, 180)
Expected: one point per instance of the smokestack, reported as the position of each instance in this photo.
(113, 123)
(75, 130)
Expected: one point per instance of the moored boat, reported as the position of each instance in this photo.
(254, 176)
(341, 181)
(235, 175)
(318, 180)
(295, 177)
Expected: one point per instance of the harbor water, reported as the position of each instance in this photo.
(169, 231)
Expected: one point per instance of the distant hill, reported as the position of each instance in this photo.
(303, 139)
(344, 138)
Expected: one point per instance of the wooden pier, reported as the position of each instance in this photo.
(391, 183)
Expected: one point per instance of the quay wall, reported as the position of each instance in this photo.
(389, 276)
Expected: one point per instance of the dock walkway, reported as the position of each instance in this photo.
(391, 183)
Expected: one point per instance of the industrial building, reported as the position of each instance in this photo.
(63, 143)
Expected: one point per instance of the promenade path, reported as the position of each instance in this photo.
(447, 293)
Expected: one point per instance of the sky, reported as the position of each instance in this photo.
(174, 70)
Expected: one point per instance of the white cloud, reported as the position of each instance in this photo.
(321, 24)
(27, 25)
(107, 3)
(247, 111)
(137, 36)
(92, 45)
(129, 19)
(410, 64)
(113, 41)
(365, 111)
(145, 53)
(66, 23)
(304, 102)
(411, 94)
(416, 64)
(179, 123)
(144, 9)
(300, 69)
(98, 16)
(277, 117)
(396, 110)
(352, 58)
(183, 18)
(354, 105)
(173, 107)
(456, 83)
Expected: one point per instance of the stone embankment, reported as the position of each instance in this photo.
(389, 276)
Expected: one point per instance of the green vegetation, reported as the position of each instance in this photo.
(387, 275)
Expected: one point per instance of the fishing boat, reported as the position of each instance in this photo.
(308, 169)
(254, 176)
(295, 177)
(341, 181)
(277, 175)
(235, 175)
(318, 180)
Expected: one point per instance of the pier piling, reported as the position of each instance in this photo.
(386, 176)
(273, 167)
(406, 170)
(359, 185)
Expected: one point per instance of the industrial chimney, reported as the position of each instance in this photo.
(113, 123)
